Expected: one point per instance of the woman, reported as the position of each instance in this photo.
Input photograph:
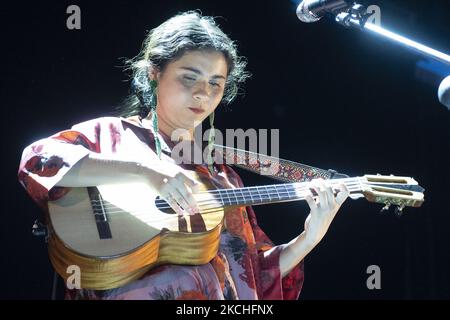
(187, 67)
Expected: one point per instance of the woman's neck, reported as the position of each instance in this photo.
(168, 130)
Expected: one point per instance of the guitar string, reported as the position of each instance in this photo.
(161, 217)
(224, 193)
(210, 204)
(162, 204)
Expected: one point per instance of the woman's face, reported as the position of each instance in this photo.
(189, 89)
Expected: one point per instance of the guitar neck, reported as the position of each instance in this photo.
(274, 193)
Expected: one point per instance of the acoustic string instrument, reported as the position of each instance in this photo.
(115, 233)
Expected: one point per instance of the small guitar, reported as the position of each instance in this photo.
(115, 233)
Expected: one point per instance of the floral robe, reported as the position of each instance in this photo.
(238, 271)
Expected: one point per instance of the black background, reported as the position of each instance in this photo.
(341, 98)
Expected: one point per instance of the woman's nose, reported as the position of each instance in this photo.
(201, 92)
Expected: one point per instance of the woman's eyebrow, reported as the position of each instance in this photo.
(197, 71)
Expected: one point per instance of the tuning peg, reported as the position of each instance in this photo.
(399, 210)
(386, 207)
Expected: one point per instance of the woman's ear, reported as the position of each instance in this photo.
(154, 74)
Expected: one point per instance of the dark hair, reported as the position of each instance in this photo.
(168, 42)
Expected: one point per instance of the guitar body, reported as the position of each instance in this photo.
(115, 233)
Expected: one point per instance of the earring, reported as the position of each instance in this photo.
(152, 104)
(211, 139)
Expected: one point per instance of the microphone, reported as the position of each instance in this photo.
(444, 92)
(312, 10)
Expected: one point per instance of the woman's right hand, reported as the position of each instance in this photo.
(174, 186)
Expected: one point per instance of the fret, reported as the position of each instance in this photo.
(236, 200)
(288, 195)
(268, 193)
(284, 194)
(230, 199)
(225, 197)
(257, 191)
(242, 195)
(236, 197)
(272, 191)
(244, 192)
(288, 191)
(229, 196)
(221, 198)
(263, 194)
(251, 196)
(276, 189)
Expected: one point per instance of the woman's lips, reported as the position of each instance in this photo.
(197, 110)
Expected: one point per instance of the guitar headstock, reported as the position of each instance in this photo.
(391, 190)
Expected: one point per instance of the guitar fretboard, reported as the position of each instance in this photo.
(257, 195)
(272, 193)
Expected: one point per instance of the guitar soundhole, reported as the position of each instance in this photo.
(163, 206)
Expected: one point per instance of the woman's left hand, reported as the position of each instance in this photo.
(323, 209)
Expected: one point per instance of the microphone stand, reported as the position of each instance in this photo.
(357, 17)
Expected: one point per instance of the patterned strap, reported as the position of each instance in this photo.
(276, 168)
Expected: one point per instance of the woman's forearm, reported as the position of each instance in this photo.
(96, 169)
(316, 224)
(294, 252)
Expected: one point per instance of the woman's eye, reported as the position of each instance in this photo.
(189, 78)
(215, 84)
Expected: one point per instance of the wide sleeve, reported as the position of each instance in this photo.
(271, 286)
(44, 162)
